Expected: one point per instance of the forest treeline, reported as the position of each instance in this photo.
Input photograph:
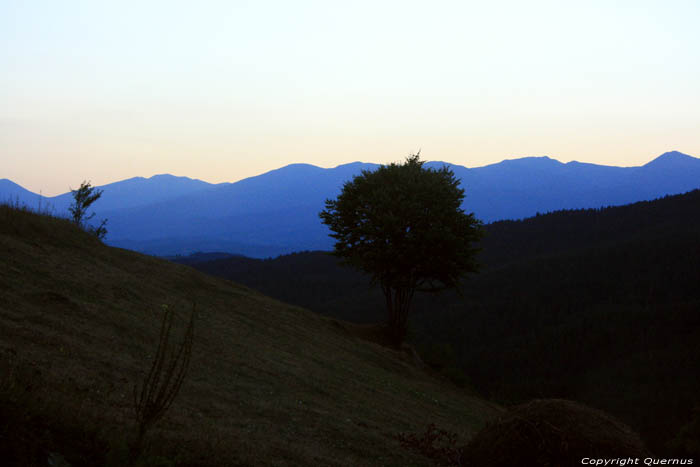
(600, 306)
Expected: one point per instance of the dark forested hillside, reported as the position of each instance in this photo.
(571, 230)
(600, 306)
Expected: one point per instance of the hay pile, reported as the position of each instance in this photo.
(551, 432)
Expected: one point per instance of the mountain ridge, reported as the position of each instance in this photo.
(669, 155)
(277, 212)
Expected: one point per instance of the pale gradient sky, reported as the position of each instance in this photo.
(223, 90)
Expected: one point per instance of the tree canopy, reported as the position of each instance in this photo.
(404, 225)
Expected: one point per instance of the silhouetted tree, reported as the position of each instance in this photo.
(83, 198)
(404, 225)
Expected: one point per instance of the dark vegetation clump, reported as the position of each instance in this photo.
(551, 432)
(687, 441)
(434, 443)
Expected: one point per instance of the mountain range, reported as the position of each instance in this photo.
(277, 212)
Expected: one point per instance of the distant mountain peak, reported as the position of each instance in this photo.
(672, 159)
(8, 181)
(350, 165)
(168, 177)
(532, 158)
(529, 161)
(300, 166)
(289, 170)
(9, 184)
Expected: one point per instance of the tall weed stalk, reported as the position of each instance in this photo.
(163, 381)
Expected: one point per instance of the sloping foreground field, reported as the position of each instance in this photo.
(269, 383)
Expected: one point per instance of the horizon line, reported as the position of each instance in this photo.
(346, 164)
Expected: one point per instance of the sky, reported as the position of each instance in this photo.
(224, 90)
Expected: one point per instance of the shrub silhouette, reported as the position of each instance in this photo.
(83, 198)
(435, 443)
(551, 432)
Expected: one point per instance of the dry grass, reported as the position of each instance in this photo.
(269, 383)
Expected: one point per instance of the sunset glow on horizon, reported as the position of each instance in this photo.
(221, 91)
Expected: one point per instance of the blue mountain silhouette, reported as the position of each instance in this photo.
(277, 212)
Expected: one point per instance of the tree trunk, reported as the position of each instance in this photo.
(398, 303)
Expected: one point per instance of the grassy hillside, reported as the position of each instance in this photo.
(269, 383)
